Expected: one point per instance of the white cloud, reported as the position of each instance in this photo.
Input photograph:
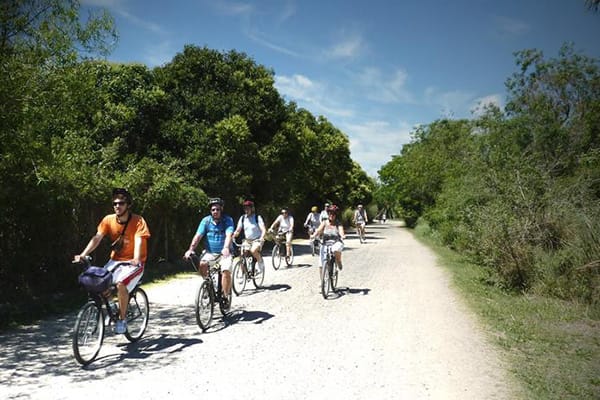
(373, 143)
(159, 53)
(273, 46)
(384, 89)
(289, 10)
(347, 48)
(453, 104)
(313, 96)
(478, 105)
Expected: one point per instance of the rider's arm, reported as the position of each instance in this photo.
(239, 228)
(227, 244)
(342, 232)
(261, 226)
(195, 240)
(319, 230)
(91, 246)
(137, 250)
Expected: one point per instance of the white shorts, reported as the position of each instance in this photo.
(224, 262)
(252, 245)
(335, 247)
(125, 273)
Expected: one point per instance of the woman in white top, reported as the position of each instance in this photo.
(333, 235)
(286, 225)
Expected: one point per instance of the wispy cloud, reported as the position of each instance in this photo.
(118, 8)
(232, 7)
(511, 27)
(257, 37)
(348, 48)
(288, 11)
(159, 53)
(310, 95)
(385, 89)
(452, 104)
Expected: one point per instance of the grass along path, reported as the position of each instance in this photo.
(552, 345)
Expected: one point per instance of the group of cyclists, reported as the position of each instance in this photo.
(129, 233)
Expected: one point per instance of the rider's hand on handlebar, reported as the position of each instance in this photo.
(188, 254)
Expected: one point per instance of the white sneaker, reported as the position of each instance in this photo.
(121, 327)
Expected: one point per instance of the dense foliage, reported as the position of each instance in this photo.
(207, 123)
(518, 190)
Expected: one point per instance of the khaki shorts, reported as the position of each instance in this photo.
(224, 262)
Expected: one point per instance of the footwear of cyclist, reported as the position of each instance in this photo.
(121, 327)
(226, 302)
(339, 265)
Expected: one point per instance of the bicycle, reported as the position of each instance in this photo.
(279, 249)
(245, 269)
(101, 311)
(315, 244)
(209, 293)
(329, 277)
(360, 229)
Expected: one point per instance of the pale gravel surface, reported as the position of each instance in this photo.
(400, 332)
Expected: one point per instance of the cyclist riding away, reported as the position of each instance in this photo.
(254, 233)
(128, 234)
(286, 225)
(218, 229)
(333, 234)
(360, 219)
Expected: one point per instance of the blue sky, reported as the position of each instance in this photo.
(375, 69)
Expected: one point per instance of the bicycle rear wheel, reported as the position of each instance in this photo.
(138, 311)
(204, 306)
(258, 277)
(276, 257)
(290, 260)
(88, 333)
(239, 277)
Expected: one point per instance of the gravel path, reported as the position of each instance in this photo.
(399, 331)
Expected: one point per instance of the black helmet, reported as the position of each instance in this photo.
(216, 200)
(122, 192)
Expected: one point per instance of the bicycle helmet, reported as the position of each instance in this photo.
(248, 203)
(332, 209)
(314, 209)
(124, 193)
(216, 200)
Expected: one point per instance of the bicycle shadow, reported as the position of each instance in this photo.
(143, 349)
(344, 291)
(237, 316)
(280, 287)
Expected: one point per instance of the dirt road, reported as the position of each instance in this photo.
(398, 332)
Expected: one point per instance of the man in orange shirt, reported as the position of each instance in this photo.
(128, 234)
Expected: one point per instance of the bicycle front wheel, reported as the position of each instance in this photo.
(88, 333)
(325, 281)
(239, 277)
(276, 257)
(137, 314)
(289, 260)
(313, 248)
(204, 306)
(333, 277)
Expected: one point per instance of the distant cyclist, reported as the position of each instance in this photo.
(285, 222)
(324, 212)
(218, 229)
(254, 232)
(333, 235)
(128, 234)
(360, 219)
(313, 220)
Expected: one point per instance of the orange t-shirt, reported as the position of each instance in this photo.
(109, 226)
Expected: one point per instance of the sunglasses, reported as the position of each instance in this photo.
(118, 203)
(215, 209)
